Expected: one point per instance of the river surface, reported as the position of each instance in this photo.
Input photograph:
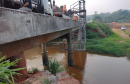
(89, 68)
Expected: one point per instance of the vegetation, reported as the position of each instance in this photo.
(117, 16)
(72, 75)
(5, 72)
(54, 67)
(34, 70)
(97, 18)
(113, 44)
(94, 32)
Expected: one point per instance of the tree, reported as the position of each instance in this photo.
(97, 18)
(95, 12)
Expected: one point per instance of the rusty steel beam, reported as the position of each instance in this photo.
(17, 47)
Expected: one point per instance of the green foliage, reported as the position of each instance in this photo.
(92, 25)
(106, 29)
(72, 75)
(97, 18)
(94, 32)
(109, 45)
(91, 35)
(54, 67)
(5, 72)
(34, 70)
(118, 16)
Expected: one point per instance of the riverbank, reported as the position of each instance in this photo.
(113, 44)
(45, 77)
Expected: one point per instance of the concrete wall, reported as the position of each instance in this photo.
(17, 25)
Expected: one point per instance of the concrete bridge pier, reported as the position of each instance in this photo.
(44, 54)
(70, 51)
(20, 64)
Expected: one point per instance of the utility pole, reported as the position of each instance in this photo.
(107, 20)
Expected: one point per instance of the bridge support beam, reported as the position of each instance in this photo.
(44, 54)
(20, 64)
(70, 51)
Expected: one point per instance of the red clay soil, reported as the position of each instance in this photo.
(37, 78)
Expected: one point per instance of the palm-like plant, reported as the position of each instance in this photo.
(5, 72)
(54, 67)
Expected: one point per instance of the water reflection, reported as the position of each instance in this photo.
(89, 68)
(106, 70)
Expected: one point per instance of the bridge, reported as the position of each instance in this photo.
(20, 31)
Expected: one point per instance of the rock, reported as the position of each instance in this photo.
(37, 76)
(52, 78)
(37, 82)
(63, 78)
(69, 80)
(62, 75)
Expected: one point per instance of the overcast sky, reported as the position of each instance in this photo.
(98, 5)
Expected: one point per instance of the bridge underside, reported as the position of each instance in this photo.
(17, 47)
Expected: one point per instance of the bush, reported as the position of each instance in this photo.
(35, 70)
(54, 67)
(91, 35)
(106, 46)
(108, 31)
(5, 72)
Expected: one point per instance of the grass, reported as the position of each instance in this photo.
(127, 31)
(54, 67)
(33, 70)
(72, 75)
(112, 45)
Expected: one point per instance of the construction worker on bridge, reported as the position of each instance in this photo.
(64, 9)
(76, 17)
(27, 5)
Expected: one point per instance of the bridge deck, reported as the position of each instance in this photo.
(17, 25)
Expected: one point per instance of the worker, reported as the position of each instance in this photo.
(76, 17)
(64, 8)
(64, 44)
(27, 6)
(65, 12)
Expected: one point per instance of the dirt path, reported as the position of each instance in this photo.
(121, 33)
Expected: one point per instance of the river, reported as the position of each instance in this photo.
(89, 68)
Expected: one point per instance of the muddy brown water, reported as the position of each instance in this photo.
(89, 68)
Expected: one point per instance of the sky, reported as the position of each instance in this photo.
(98, 5)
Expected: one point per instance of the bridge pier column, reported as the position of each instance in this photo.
(70, 51)
(44, 54)
(20, 64)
